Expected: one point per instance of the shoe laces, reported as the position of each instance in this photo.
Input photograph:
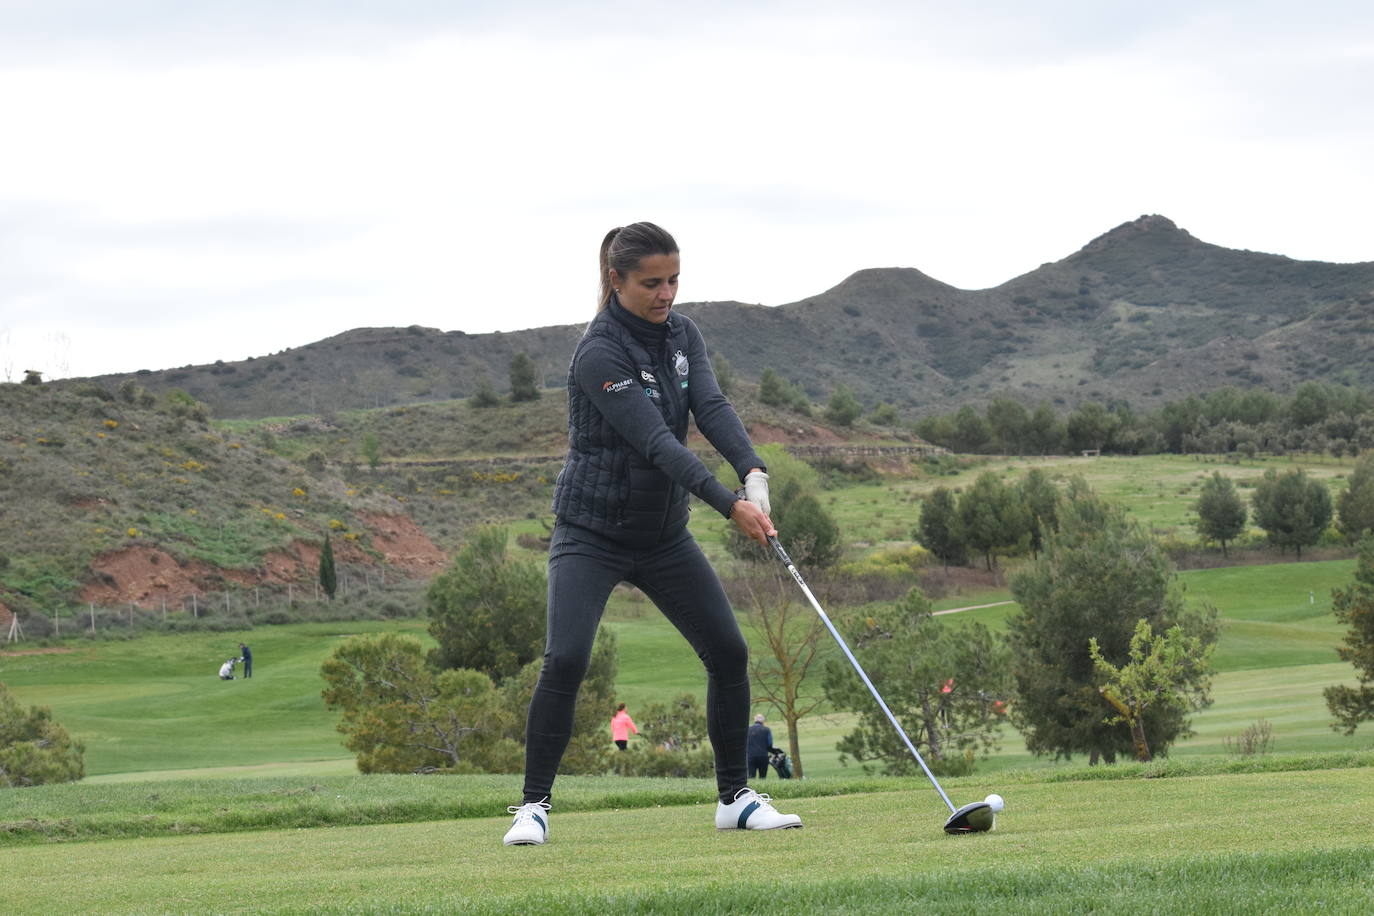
(764, 800)
(526, 812)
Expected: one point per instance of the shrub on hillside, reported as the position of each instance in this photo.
(844, 408)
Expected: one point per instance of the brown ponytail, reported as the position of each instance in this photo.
(625, 247)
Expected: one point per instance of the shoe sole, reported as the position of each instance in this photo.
(779, 827)
(525, 843)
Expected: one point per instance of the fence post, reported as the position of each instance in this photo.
(92, 607)
(195, 611)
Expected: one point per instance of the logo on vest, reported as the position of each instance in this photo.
(648, 376)
(680, 363)
(613, 387)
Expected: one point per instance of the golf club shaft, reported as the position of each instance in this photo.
(792, 568)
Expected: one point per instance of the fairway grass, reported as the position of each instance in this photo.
(152, 708)
(156, 702)
(1209, 844)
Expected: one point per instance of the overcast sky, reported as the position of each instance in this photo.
(183, 181)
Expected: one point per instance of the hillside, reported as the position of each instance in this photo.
(1145, 312)
(124, 498)
(112, 503)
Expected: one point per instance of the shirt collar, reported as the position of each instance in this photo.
(646, 332)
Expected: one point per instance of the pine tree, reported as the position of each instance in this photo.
(1356, 505)
(993, 517)
(1098, 575)
(1354, 606)
(938, 530)
(487, 610)
(1293, 508)
(34, 749)
(1221, 513)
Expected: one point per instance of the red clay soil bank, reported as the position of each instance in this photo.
(146, 575)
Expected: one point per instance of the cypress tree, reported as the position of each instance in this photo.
(328, 579)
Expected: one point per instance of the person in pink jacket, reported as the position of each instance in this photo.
(621, 726)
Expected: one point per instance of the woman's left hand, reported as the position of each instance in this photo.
(752, 522)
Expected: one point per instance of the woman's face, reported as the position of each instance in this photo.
(649, 291)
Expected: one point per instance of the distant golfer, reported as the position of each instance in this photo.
(226, 670)
(246, 656)
(621, 726)
(637, 376)
(760, 742)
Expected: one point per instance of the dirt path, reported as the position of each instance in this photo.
(971, 607)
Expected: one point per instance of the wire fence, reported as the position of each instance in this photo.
(360, 593)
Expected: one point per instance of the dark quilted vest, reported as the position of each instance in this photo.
(606, 485)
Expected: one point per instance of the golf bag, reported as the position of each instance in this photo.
(779, 760)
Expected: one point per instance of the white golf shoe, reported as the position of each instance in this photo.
(531, 827)
(752, 811)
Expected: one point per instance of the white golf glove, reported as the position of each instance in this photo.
(756, 490)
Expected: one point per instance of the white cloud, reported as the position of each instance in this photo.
(191, 183)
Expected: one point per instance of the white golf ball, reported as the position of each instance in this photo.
(996, 802)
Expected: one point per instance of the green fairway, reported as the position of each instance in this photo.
(153, 705)
(1273, 616)
(205, 795)
(1282, 841)
(1160, 491)
(156, 702)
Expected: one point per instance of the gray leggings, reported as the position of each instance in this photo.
(583, 568)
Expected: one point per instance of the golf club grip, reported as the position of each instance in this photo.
(782, 554)
(792, 568)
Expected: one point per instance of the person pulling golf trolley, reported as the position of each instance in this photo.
(974, 817)
(621, 506)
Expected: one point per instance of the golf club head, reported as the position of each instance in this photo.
(975, 817)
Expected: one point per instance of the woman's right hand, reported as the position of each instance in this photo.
(752, 522)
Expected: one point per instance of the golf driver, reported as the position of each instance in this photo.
(974, 817)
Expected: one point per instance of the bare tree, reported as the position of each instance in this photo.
(786, 636)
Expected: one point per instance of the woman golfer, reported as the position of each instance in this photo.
(621, 516)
